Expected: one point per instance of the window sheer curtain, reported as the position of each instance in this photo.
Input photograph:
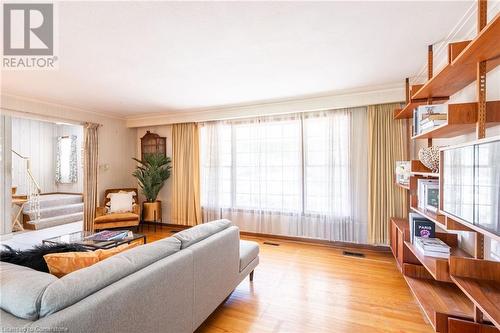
(301, 175)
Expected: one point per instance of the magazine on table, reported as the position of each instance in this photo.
(108, 235)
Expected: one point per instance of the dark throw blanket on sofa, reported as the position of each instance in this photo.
(33, 258)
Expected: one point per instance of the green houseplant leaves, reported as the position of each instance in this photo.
(151, 173)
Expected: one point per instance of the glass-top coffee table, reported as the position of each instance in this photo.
(81, 237)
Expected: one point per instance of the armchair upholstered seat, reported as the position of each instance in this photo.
(105, 220)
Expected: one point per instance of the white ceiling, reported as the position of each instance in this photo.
(134, 58)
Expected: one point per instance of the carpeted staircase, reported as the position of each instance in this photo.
(55, 209)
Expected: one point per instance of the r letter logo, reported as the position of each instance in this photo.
(28, 36)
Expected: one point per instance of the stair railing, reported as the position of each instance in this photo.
(34, 189)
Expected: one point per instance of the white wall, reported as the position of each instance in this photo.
(468, 94)
(165, 194)
(117, 143)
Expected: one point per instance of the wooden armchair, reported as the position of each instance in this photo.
(105, 220)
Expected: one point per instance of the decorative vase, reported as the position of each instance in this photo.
(151, 211)
(429, 157)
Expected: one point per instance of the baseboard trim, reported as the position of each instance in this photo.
(335, 244)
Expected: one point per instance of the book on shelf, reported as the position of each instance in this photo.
(433, 253)
(433, 247)
(434, 116)
(432, 109)
(428, 125)
(432, 244)
(426, 117)
(421, 227)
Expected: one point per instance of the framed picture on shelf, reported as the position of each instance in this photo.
(432, 197)
(403, 172)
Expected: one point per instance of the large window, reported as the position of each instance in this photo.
(299, 175)
(289, 164)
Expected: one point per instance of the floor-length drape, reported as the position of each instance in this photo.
(186, 207)
(91, 163)
(301, 175)
(387, 144)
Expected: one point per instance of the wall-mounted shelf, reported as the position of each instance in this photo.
(439, 267)
(440, 300)
(407, 111)
(462, 119)
(434, 217)
(454, 294)
(463, 69)
(418, 169)
(403, 186)
(480, 281)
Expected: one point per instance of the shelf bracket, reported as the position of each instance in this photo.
(481, 100)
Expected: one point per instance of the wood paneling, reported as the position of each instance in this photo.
(37, 140)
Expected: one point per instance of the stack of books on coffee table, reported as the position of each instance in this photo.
(433, 247)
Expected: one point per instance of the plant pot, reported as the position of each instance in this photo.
(151, 211)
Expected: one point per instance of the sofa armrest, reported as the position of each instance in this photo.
(100, 211)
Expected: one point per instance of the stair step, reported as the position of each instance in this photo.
(56, 211)
(57, 220)
(52, 200)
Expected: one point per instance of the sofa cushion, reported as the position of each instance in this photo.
(76, 286)
(115, 217)
(22, 289)
(198, 233)
(248, 252)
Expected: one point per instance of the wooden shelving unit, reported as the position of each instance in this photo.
(460, 294)
(462, 119)
(439, 219)
(462, 71)
(439, 301)
(439, 267)
(407, 111)
(403, 186)
(480, 281)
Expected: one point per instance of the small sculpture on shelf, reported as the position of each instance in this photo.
(429, 157)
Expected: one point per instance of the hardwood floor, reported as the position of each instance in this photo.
(306, 288)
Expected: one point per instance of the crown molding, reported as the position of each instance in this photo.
(9, 106)
(383, 94)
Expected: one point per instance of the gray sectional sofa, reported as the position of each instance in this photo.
(171, 285)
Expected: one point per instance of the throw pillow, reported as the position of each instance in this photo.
(60, 264)
(33, 258)
(121, 202)
(104, 254)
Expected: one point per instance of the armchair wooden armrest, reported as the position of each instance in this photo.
(100, 211)
(136, 209)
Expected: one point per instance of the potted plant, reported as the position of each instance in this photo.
(151, 174)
